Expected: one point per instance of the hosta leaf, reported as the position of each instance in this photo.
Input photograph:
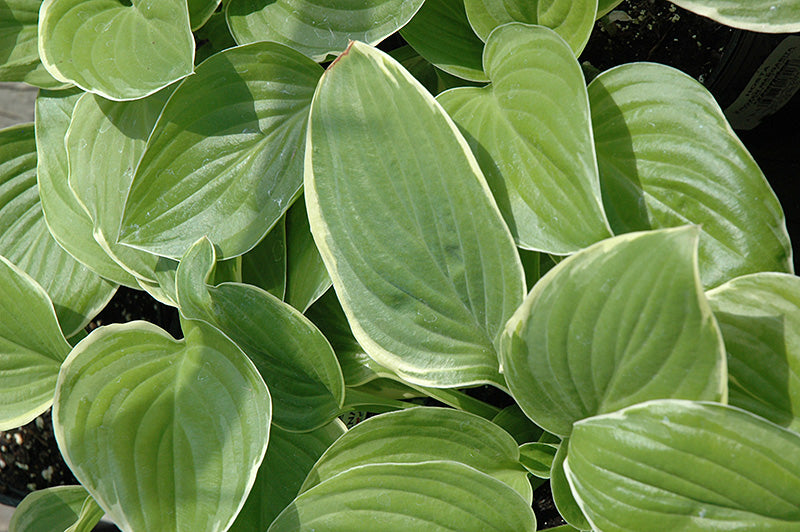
(531, 132)
(166, 435)
(76, 292)
(295, 360)
(265, 265)
(289, 458)
(19, 53)
(57, 509)
(306, 276)
(573, 20)
(605, 6)
(213, 37)
(759, 316)
(538, 458)
(680, 465)
(318, 28)
(563, 497)
(425, 434)
(431, 496)
(119, 50)
(425, 268)
(440, 32)
(621, 322)
(200, 11)
(68, 221)
(100, 177)
(767, 16)
(667, 157)
(29, 362)
(225, 158)
(514, 421)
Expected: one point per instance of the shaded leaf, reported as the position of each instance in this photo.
(56, 509)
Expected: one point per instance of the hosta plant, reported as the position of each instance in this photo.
(340, 233)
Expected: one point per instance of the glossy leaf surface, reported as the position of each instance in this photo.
(318, 28)
(76, 292)
(118, 51)
(531, 132)
(29, 363)
(681, 465)
(425, 434)
(57, 509)
(19, 54)
(573, 20)
(667, 157)
(264, 266)
(425, 268)
(296, 361)
(434, 496)
(225, 158)
(759, 316)
(766, 16)
(621, 322)
(166, 435)
(306, 276)
(440, 32)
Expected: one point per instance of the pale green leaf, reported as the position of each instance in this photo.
(296, 361)
(681, 465)
(76, 292)
(531, 132)
(766, 16)
(759, 316)
(431, 496)
(200, 11)
(32, 347)
(165, 435)
(621, 322)
(563, 498)
(667, 157)
(306, 276)
(225, 158)
(318, 28)
(425, 434)
(57, 509)
(264, 266)
(514, 421)
(68, 221)
(440, 32)
(105, 141)
(538, 458)
(119, 50)
(289, 458)
(606, 6)
(423, 265)
(19, 53)
(573, 20)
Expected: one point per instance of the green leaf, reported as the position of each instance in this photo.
(667, 157)
(68, 221)
(166, 435)
(531, 132)
(318, 28)
(425, 434)
(100, 177)
(225, 158)
(19, 53)
(264, 266)
(760, 322)
(765, 16)
(306, 276)
(200, 11)
(431, 496)
(425, 269)
(680, 465)
(538, 458)
(289, 458)
(77, 292)
(440, 32)
(514, 421)
(573, 20)
(29, 362)
(296, 361)
(621, 322)
(118, 50)
(213, 37)
(606, 6)
(57, 509)
(563, 498)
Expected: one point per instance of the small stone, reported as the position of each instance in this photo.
(2, 463)
(3, 448)
(22, 466)
(39, 423)
(31, 486)
(18, 438)
(619, 16)
(47, 474)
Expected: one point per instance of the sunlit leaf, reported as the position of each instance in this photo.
(425, 269)
(57, 509)
(766, 16)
